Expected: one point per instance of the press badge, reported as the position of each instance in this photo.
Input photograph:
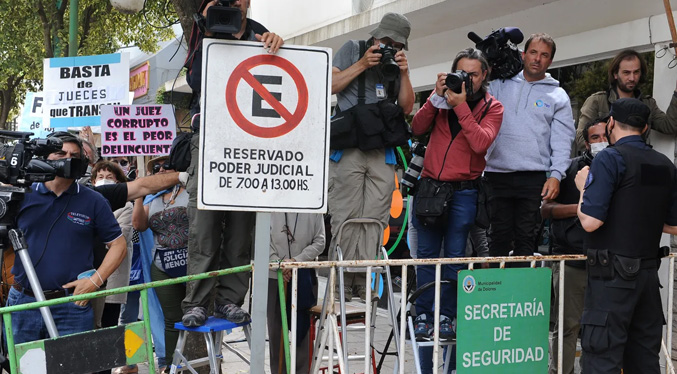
(380, 91)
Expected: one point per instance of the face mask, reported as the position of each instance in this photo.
(596, 148)
(608, 132)
(103, 182)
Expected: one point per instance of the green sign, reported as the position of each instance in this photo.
(503, 319)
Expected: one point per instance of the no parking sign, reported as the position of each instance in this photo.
(264, 127)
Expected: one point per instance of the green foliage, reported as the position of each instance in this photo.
(30, 30)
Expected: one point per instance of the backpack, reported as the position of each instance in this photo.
(179, 155)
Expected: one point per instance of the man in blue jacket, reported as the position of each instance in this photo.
(530, 156)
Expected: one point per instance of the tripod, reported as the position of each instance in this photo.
(10, 199)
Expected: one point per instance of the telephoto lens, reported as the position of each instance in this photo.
(410, 177)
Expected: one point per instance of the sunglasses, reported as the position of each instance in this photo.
(158, 167)
(121, 162)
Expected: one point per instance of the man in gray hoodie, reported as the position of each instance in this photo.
(530, 156)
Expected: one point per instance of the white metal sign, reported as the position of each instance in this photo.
(264, 141)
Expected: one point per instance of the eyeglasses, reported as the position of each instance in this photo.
(121, 162)
(158, 167)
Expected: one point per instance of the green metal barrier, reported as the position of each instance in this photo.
(7, 319)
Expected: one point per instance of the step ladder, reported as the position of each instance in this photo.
(415, 345)
(331, 319)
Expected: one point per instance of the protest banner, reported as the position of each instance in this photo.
(77, 87)
(31, 115)
(137, 130)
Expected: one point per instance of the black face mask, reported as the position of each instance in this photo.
(608, 132)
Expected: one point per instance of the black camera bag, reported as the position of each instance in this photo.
(396, 129)
(179, 154)
(342, 130)
(432, 202)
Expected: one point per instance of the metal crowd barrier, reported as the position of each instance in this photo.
(290, 355)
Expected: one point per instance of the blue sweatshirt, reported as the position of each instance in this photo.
(537, 129)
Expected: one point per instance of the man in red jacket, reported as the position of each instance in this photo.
(464, 124)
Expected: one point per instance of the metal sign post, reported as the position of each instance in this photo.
(260, 291)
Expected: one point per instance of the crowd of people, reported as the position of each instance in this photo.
(501, 147)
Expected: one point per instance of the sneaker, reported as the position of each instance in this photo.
(423, 329)
(447, 328)
(232, 313)
(347, 293)
(194, 317)
(362, 293)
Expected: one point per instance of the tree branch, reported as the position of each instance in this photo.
(46, 30)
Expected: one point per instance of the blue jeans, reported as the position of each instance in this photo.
(129, 312)
(461, 218)
(28, 325)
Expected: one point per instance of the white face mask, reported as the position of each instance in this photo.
(596, 148)
(103, 182)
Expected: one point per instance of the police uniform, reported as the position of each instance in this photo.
(633, 190)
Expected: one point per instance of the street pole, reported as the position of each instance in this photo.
(73, 30)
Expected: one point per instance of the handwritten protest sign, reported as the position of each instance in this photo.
(137, 130)
(77, 87)
(31, 115)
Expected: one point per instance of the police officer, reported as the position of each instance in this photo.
(628, 197)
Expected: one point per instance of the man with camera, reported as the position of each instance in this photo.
(208, 249)
(627, 71)
(60, 220)
(362, 181)
(627, 197)
(531, 153)
(464, 119)
(566, 236)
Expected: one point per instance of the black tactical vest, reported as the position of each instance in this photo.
(639, 205)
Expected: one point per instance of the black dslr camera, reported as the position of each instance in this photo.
(19, 168)
(222, 19)
(455, 80)
(500, 49)
(389, 66)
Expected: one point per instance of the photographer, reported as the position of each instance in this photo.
(362, 182)
(60, 220)
(465, 120)
(212, 230)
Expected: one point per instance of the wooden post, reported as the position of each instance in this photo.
(671, 23)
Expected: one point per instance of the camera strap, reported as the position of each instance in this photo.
(361, 80)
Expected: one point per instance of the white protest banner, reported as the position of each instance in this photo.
(264, 142)
(77, 87)
(137, 130)
(31, 115)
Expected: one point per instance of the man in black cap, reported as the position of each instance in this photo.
(628, 197)
(362, 181)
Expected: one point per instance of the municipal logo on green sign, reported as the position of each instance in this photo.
(503, 319)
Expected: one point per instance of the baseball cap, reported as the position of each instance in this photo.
(630, 111)
(394, 26)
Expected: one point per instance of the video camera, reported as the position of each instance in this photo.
(223, 18)
(500, 49)
(20, 169)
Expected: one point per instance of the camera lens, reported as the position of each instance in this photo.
(454, 82)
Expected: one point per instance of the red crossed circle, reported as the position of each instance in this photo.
(242, 72)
